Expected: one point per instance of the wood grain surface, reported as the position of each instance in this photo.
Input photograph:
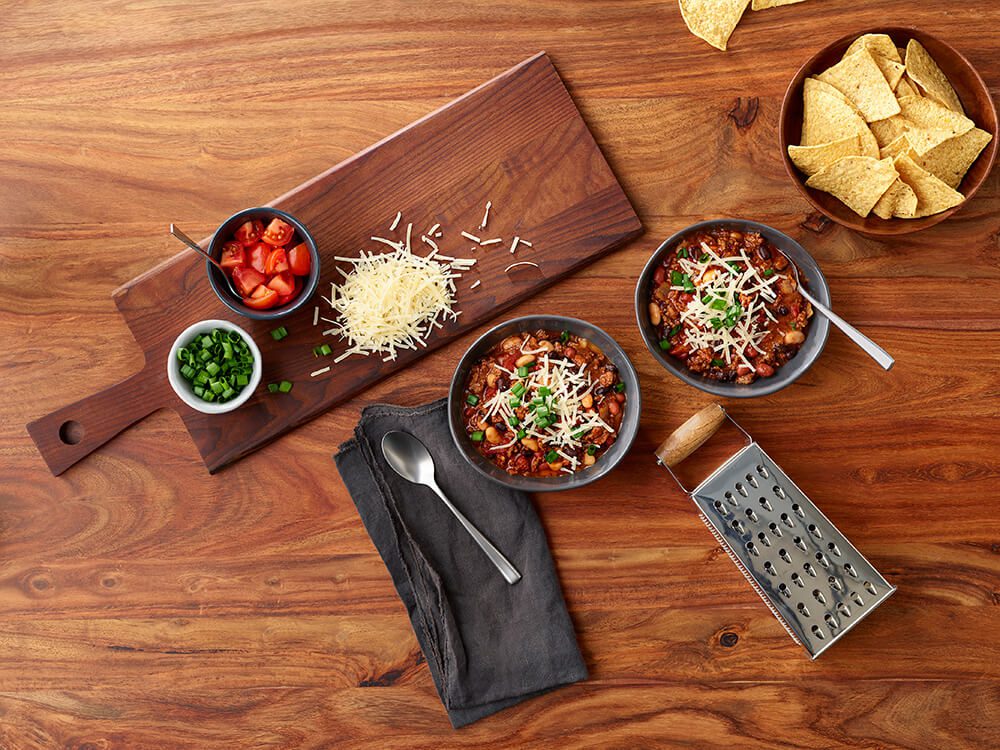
(516, 143)
(147, 604)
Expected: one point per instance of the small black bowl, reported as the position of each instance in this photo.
(529, 324)
(809, 273)
(225, 233)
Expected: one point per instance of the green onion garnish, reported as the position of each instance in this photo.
(551, 457)
(675, 330)
(665, 344)
(768, 273)
(518, 389)
(718, 363)
(477, 436)
(544, 391)
(591, 450)
(564, 336)
(703, 258)
(676, 278)
(472, 399)
(513, 421)
(522, 372)
(284, 386)
(620, 387)
(521, 434)
(272, 387)
(279, 333)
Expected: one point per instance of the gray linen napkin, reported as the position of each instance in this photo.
(488, 644)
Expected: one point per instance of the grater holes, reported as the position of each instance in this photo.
(738, 525)
(831, 621)
(784, 556)
(835, 583)
(797, 510)
(731, 500)
(817, 632)
(720, 507)
(850, 570)
(752, 549)
(783, 590)
(808, 568)
(766, 504)
(843, 609)
(786, 519)
(752, 481)
(818, 596)
(751, 515)
(742, 490)
(856, 598)
(833, 548)
(814, 530)
(870, 588)
(799, 543)
(763, 539)
(797, 580)
(803, 609)
(779, 492)
(823, 559)
(769, 567)
(774, 529)
(762, 470)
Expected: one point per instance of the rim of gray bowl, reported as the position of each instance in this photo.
(222, 236)
(524, 324)
(809, 272)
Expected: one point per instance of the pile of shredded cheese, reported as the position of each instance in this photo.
(725, 294)
(566, 384)
(392, 301)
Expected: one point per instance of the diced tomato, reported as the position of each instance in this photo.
(232, 255)
(247, 279)
(299, 260)
(262, 298)
(277, 261)
(282, 283)
(249, 232)
(278, 233)
(284, 299)
(257, 256)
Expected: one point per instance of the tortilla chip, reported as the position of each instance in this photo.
(877, 44)
(929, 124)
(950, 160)
(858, 181)
(828, 116)
(886, 131)
(899, 146)
(920, 66)
(713, 20)
(933, 195)
(905, 88)
(859, 78)
(811, 159)
(898, 201)
(892, 70)
(765, 4)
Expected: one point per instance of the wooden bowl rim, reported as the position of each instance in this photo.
(874, 225)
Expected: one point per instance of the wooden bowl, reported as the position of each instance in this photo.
(971, 90)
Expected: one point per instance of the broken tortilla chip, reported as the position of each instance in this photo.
(828, 116)
(933, 195)
(877, 44)
(860, 79)
(905, 88)
(811, 159)
(922, 69)
(857, 181)
(765, 4)
(929, 124)
(950, 160)
(892, 70)
(713, 20)
(898, 201)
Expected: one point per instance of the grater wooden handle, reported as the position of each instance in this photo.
(691, 435)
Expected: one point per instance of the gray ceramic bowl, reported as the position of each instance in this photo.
(225, 233)
(527, 324)
(819, 326)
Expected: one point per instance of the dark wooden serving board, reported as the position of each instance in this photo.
(518, 141)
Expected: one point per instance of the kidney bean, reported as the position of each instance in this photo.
(620, 397)
(763, 253)
(614, 407)
(569, 351)
(654, 314)
(659, 275)
(782, 310)
(764, 370)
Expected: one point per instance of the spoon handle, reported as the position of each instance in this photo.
(872, 349)
(193, 245)
(508, 571)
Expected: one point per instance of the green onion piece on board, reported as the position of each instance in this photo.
(284, 386)
(272, 387)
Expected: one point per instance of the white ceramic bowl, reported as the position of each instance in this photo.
(183, 388)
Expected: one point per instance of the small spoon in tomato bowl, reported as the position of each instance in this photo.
(195, 246)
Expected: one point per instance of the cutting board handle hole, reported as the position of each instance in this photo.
(71, 432)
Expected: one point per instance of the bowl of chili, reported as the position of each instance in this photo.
(717, 307)
(575, 373)
(272, 260)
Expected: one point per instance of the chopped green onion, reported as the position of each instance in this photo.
(768, 273)
(704, 257)
(284, 386)
(682, 252)
(521, 434)
(472, 399)
(227, 350)
(187, 372)
(217, 364)
(477, 436)
(591, 450)
(665, 344)
(199, 391)
(272, 387)
(564, 336)
(551, 457)
(228, 394)
(718, 304)
(522, 372)
(620, 387)
(279, 333)
(242, 379)
(794, 326)
(513, 421)
(544, 391)
(183, 354)
(718, 363)
(676, 278)
(518, 389)
(675, 330)
(212, 368)
(217, 387)
(206, 341)
(542, 411)
(514, 402)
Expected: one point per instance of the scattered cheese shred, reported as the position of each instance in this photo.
(316, 314)
(494, 241)
(471, 237)
(476, 283)
(433, 229)
(513, 245)
(395, 222)
(320, 371)
(427, 240)
(520, 263)
(486, 216)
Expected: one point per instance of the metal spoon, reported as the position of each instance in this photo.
(195, 246)
(410, 458)
(870, 348)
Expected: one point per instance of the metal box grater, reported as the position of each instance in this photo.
(807, 572)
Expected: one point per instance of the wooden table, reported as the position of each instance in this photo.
(144, 603)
